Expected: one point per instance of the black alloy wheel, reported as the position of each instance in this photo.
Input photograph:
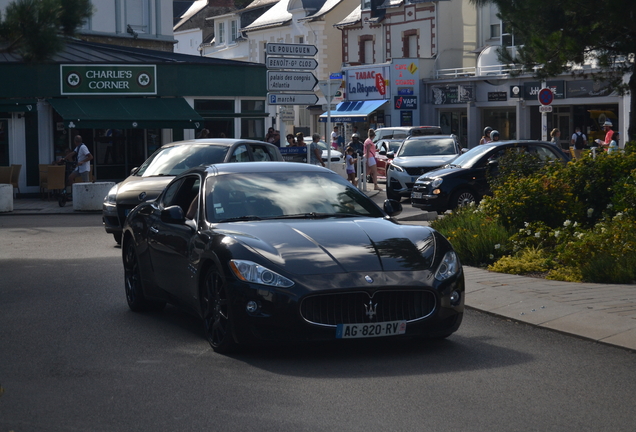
(215, 307)
(137, 302)
(462, 198)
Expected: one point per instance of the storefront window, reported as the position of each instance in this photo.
(214, 106)
(253, 128)
(252, 106)
(502, 120)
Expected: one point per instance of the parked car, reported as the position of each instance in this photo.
(401, 132)
(147, 181)
(288, 252)
(416, 156)
(385, 152)
(464, 180)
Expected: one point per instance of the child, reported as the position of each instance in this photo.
(351, 169)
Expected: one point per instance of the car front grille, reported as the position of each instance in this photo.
(352, 308)
(417, 171)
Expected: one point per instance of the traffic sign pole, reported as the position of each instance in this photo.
(545, 98)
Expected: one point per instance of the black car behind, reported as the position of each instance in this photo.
(464, 180)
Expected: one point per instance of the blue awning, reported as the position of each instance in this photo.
(353, 111)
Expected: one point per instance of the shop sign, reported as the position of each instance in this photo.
(515, 91)
(405, 91)
(405, 102)
(108, 79)
(531, 89)
(588, 88)
(367, 83)
(497, 96)
(452, 94)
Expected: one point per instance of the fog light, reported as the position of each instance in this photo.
(252, 307)
(454, 298)
(436, 192)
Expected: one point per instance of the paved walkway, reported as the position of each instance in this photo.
(601, 312)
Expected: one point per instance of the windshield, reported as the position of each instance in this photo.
(171, 161)
(468, 159)
(428, 147)
(286, 195)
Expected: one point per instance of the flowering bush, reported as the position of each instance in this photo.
(573, 223)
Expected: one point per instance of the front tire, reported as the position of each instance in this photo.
(135, 297)
(463, 198)
(215, 307)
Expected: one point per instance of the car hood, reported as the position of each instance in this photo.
(444, 172)
(328, 246)
(132, 187)
(423, 161)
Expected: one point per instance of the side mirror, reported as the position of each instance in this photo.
(383, 152)
(134, 170)
(390, 155)
(173, 215)
(392, 207)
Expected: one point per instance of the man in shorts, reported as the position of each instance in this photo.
(83, 157)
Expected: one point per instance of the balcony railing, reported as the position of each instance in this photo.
(494, 70)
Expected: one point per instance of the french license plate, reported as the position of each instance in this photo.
(416, 195)
(388, 328)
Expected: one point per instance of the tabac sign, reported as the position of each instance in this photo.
(108, 79)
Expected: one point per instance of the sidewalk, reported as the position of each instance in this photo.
(599, 312)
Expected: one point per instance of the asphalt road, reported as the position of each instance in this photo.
(74, 358)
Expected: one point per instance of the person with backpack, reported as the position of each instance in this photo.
(578, 142)
(82, 157)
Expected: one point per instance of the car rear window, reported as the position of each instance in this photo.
(428, 147)
(171, 161)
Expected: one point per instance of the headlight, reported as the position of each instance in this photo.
(436, 182)
(251, 272)
(448, 267)
(396, 167)
(111, 198)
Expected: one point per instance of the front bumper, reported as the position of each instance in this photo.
(284, 315)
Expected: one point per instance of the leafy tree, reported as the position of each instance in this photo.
(562, 35)
(36, 29)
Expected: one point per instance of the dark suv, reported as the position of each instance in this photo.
(464, 180)
(147, 181)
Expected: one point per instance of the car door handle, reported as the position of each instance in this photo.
(153, 229)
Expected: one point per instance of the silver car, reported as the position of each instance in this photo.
(146, 182)
(416, 156)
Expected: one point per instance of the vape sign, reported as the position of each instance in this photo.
(405, 102)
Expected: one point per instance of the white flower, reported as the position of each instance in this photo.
(609, 206)
(578, 235)
(526, 224)
(497, 246)
(603, 229)
(529, 232)
(567, 223)
(590, 212)
(575, 224)
(492, 256)
(557, 233)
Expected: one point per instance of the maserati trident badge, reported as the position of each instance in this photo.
(371, 310)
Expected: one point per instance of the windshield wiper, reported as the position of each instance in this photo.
(241, 219)
(315, 215)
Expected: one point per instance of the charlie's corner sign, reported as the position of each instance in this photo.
(108, 79)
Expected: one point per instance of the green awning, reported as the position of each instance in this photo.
(127, 113)
(18, 105)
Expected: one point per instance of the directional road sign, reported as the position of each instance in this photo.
(329, 88)
(290, 81)
(291, 49)
(298, 63)
(292, 99)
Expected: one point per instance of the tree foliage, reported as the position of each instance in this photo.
(35, 29)
(560, 36)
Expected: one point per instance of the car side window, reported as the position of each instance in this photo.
(546, 154)
(240, 154)
(261, 153)
(183, 193)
